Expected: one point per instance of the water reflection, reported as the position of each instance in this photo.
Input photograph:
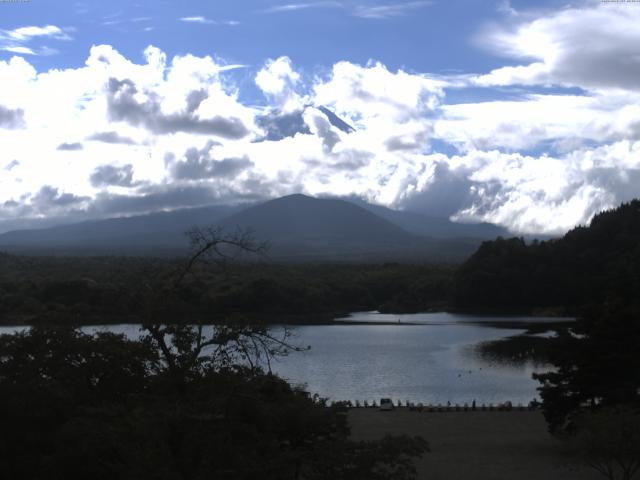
(427, 358)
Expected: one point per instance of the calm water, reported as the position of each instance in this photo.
(424, 358)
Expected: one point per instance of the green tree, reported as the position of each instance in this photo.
(608, 441)
(597, 365)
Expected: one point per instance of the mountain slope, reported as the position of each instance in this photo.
(436, 227)
(303, 228)
(163, 229)
(299, 218)
(297, 227)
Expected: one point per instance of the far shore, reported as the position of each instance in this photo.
(336, 318)
(475, 445)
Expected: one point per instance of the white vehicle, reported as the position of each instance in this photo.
(386, 404)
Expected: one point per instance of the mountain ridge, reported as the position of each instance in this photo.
(297, 226)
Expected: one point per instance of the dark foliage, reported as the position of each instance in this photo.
(74, 405)
(588, 265)
(598, 365)
(98, 290)
(592, 271)
(185, 401)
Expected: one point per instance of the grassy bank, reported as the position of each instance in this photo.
(475, 445)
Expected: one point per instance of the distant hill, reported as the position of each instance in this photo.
(154, 230)
(300, 227)
(436, 227)
(297, 227)
(590, 264)
(299, 218)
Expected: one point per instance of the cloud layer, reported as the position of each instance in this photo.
(120, 137)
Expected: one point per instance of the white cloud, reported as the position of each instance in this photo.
(15, 41)
(116, 136)
(278, 80)
(363, 10)
(17, 49)
(292, 7)
(551, 120)
(197, 19)
(388, 10)
(26, 33)
(595, 46)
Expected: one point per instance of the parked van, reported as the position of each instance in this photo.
(386, 404)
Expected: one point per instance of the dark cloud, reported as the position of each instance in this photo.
(123, 106)
(156, 197)
(195, 98)
(111, 137)
(321, 125)
(49, 197)
(449, 192)
(70, 147)
(198, 164)
(11, 118)
(106, 175)
(11, 165)
(417, 141)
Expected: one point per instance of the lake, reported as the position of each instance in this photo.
(426, 358)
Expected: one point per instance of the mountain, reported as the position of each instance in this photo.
(307, 228)
(435, 227)
(278, 125)
(297, 227)
(154, 230)
(299, 218)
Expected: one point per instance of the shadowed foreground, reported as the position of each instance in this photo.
(475, 445)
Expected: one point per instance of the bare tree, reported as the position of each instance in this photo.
(189, 345)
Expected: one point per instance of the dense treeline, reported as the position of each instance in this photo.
(110, 289)
(588, 265)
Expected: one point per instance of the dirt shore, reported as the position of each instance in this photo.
(475, 445)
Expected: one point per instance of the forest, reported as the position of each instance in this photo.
(109, 289)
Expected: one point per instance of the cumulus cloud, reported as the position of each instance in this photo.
(594, 46)
(49, 198)
(123, 105)
(278, 81)
(108, 175)
(170, 133)
(111, 137)
(11, 165)
(70, 147)
(198, 164)
(11, 118)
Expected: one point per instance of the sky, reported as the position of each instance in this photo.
(524, 114)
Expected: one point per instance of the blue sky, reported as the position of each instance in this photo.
(416, 35)
(525, 113)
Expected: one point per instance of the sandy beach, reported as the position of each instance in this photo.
(475, 445)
